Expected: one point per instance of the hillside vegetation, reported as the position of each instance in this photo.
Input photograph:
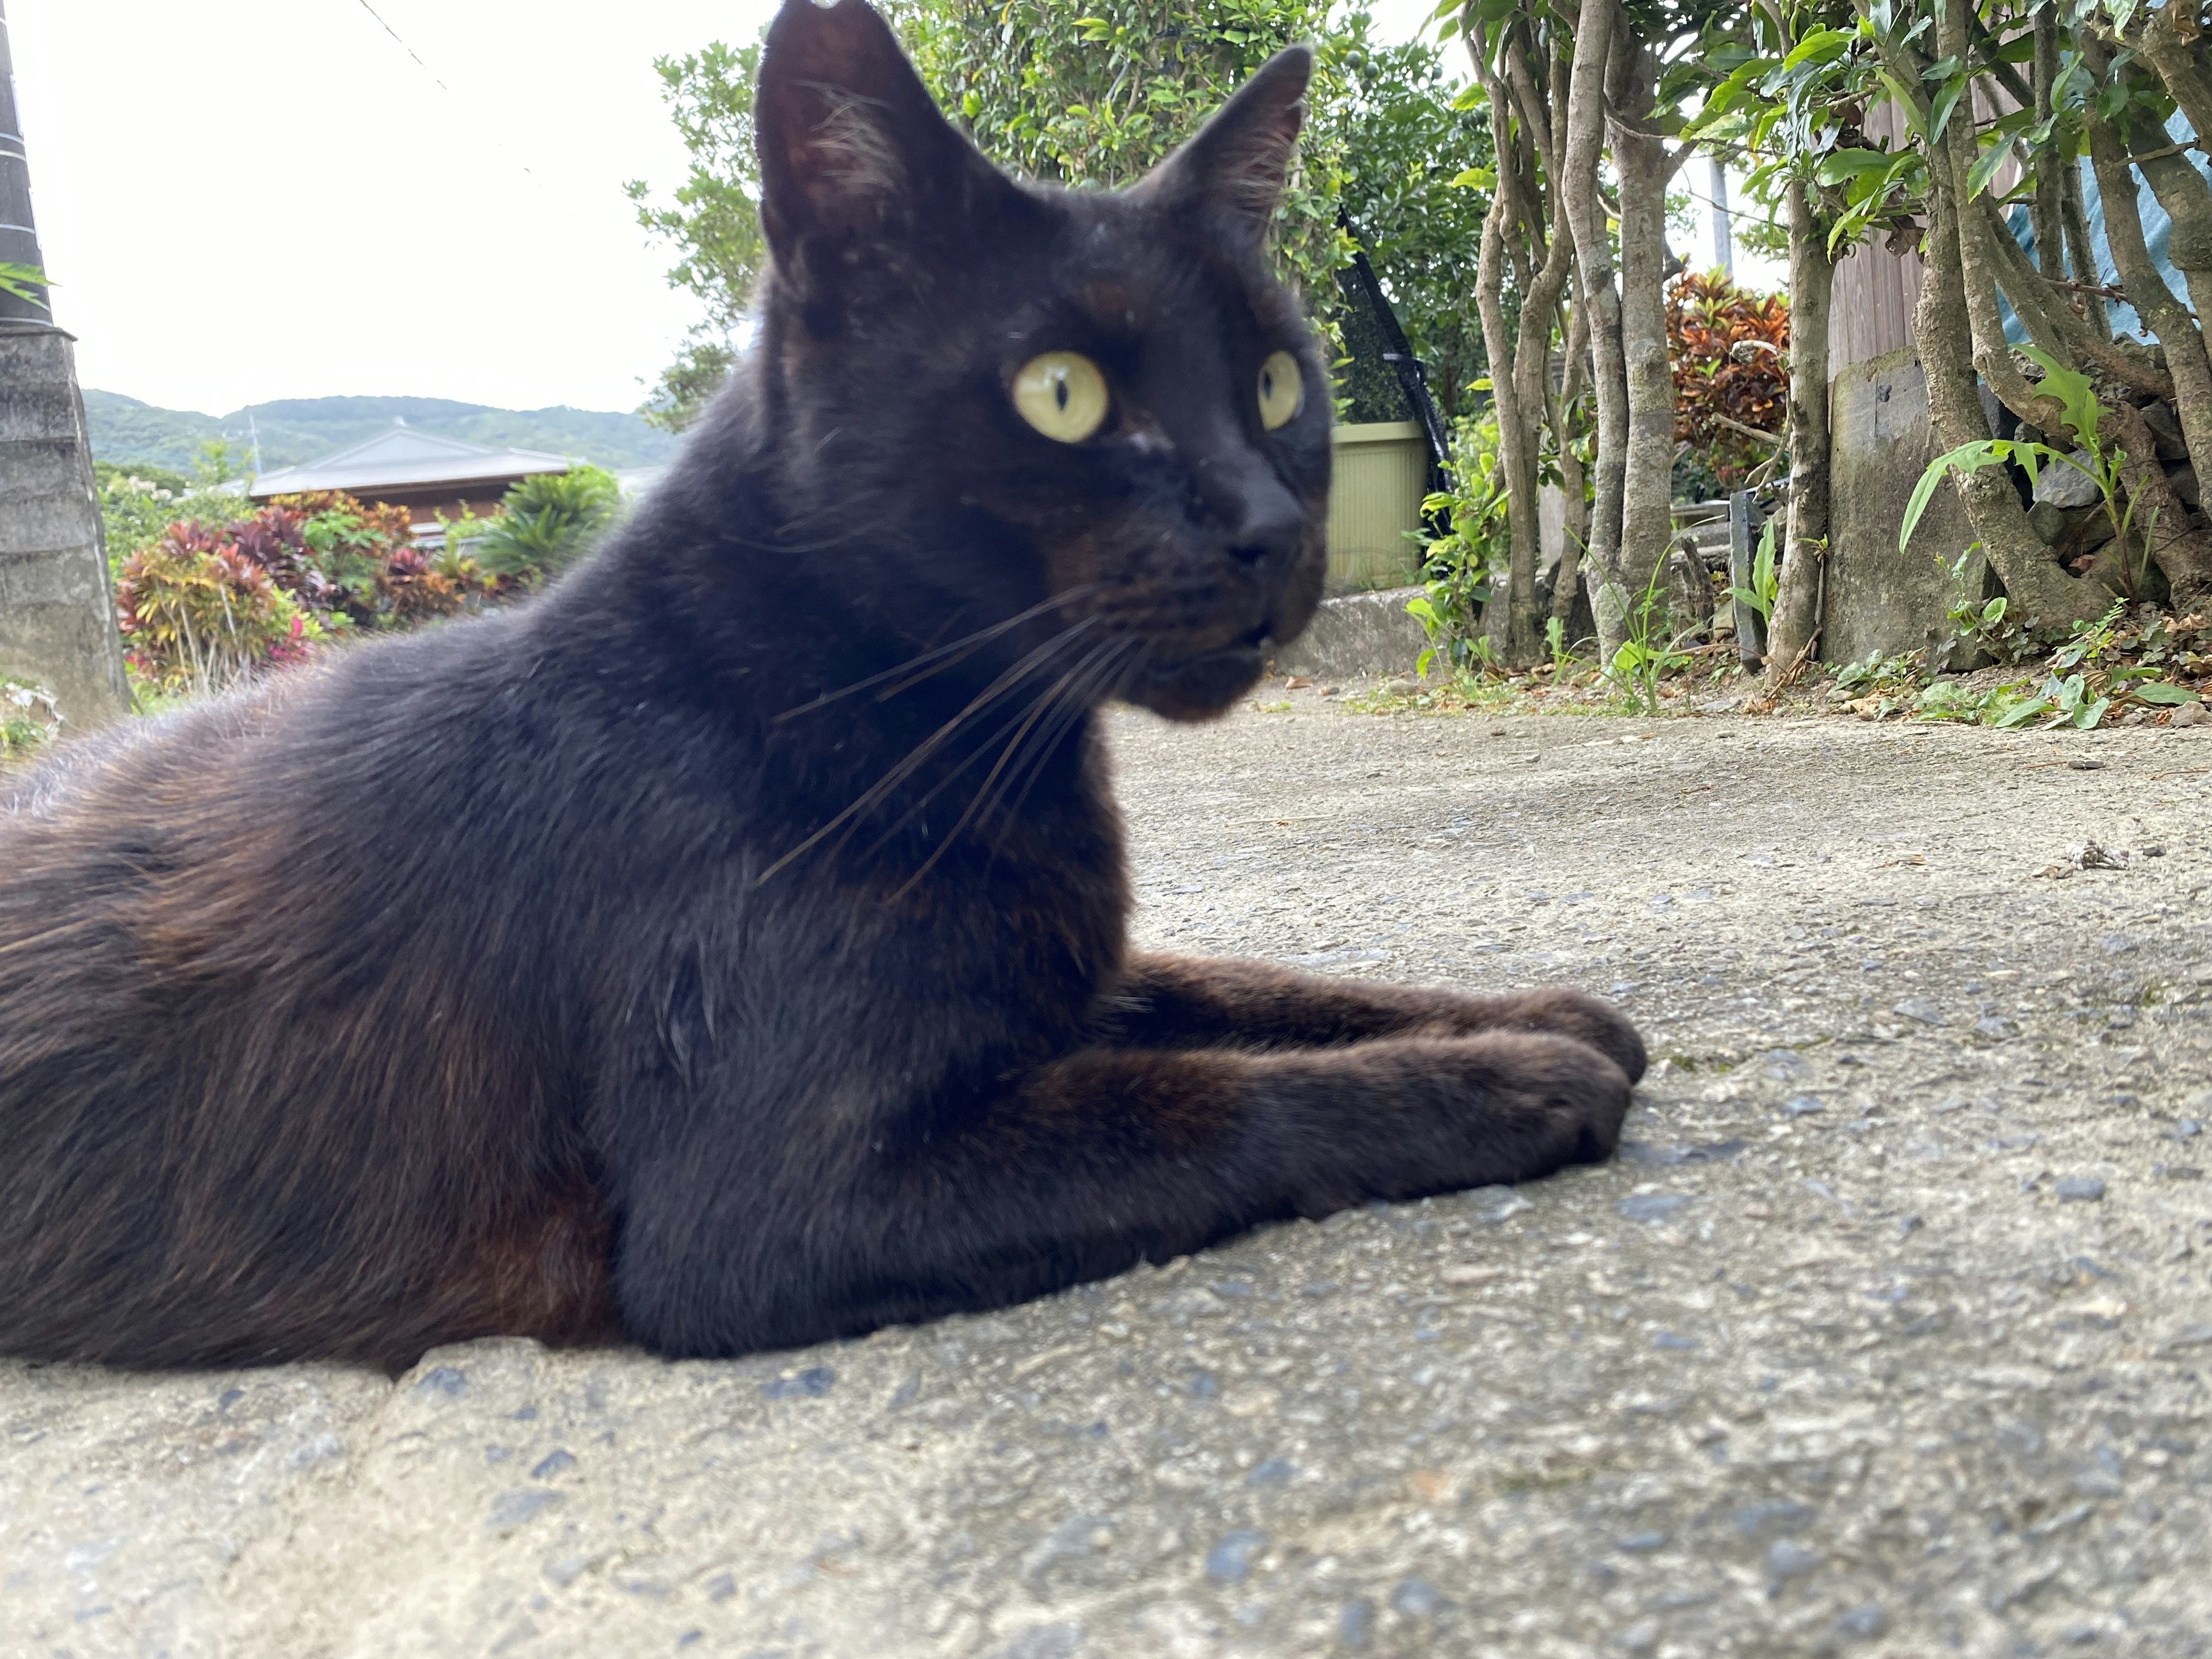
(295, 429)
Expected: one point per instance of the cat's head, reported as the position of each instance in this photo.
(1101, 396)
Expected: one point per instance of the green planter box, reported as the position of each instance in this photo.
(1374, 502)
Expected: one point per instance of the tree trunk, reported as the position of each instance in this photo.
(2042, 594)
(2075, 218)
(2052, 324)
(1586, 220)
(1574, 481)
(2182, 551)
(2178, 58)
(2045, 209)
(1796, 624)
(2176, 544)
(1519, 359)
(1950, 159)
(1643, 167)
(1510, 624)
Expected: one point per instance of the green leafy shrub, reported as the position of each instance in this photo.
(199, 616)
(28, 719)
(548, 522)
(204, 606)
(1458, 566)
(137, 505)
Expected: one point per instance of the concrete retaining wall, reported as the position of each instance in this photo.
(1356, 635)
(1881, 600)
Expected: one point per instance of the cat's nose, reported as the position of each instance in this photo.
(1269, 527)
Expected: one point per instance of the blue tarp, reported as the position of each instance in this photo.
(2157, 228)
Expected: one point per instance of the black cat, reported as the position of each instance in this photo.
(729, 950)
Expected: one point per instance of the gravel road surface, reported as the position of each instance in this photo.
(1888, 1334)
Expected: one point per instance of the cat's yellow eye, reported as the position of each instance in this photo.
(1062, 395)
(1282, 391)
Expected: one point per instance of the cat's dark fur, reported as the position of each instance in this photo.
(728, 949)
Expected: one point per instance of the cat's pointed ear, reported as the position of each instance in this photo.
(855, 159)
(1234, 168)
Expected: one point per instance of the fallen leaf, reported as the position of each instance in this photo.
(1430, 1485)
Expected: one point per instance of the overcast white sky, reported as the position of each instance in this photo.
(241, 200)
(248, 199)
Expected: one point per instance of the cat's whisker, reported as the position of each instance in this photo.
(916, 758)
(921, 804)
(939, 657)
(1101, 685)
(978, 808)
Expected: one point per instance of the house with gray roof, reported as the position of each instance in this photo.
(405, 466)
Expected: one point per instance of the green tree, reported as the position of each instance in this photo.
(1415, 162)
(1096, 94)
(1993, 105)
(714, 223)
(1095, 97)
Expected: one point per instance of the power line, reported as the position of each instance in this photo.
(434, 76)
(405, 47)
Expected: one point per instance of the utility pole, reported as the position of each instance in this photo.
(56, 615)
(1724, 240)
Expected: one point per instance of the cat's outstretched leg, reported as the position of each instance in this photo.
(1078, 1170)
(1168, 1002)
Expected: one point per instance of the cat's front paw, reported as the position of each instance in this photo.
(1577, 1014)
(1566, 1097)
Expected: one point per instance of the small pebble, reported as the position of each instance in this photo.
(1229, 1561)
(1356, 1621)
(1786, 1558)
(809, 1384)
(1651, 1207)
(2080, 1190)
(1415, 1598)
(1866, 1620)
(511, 1509)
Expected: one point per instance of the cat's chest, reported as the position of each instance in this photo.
(1028, 926)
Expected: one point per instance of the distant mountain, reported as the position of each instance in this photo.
(296, 429)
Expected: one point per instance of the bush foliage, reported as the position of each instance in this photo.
(1730, 350)
(200, 613)
(548, 522)
(204, 606)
